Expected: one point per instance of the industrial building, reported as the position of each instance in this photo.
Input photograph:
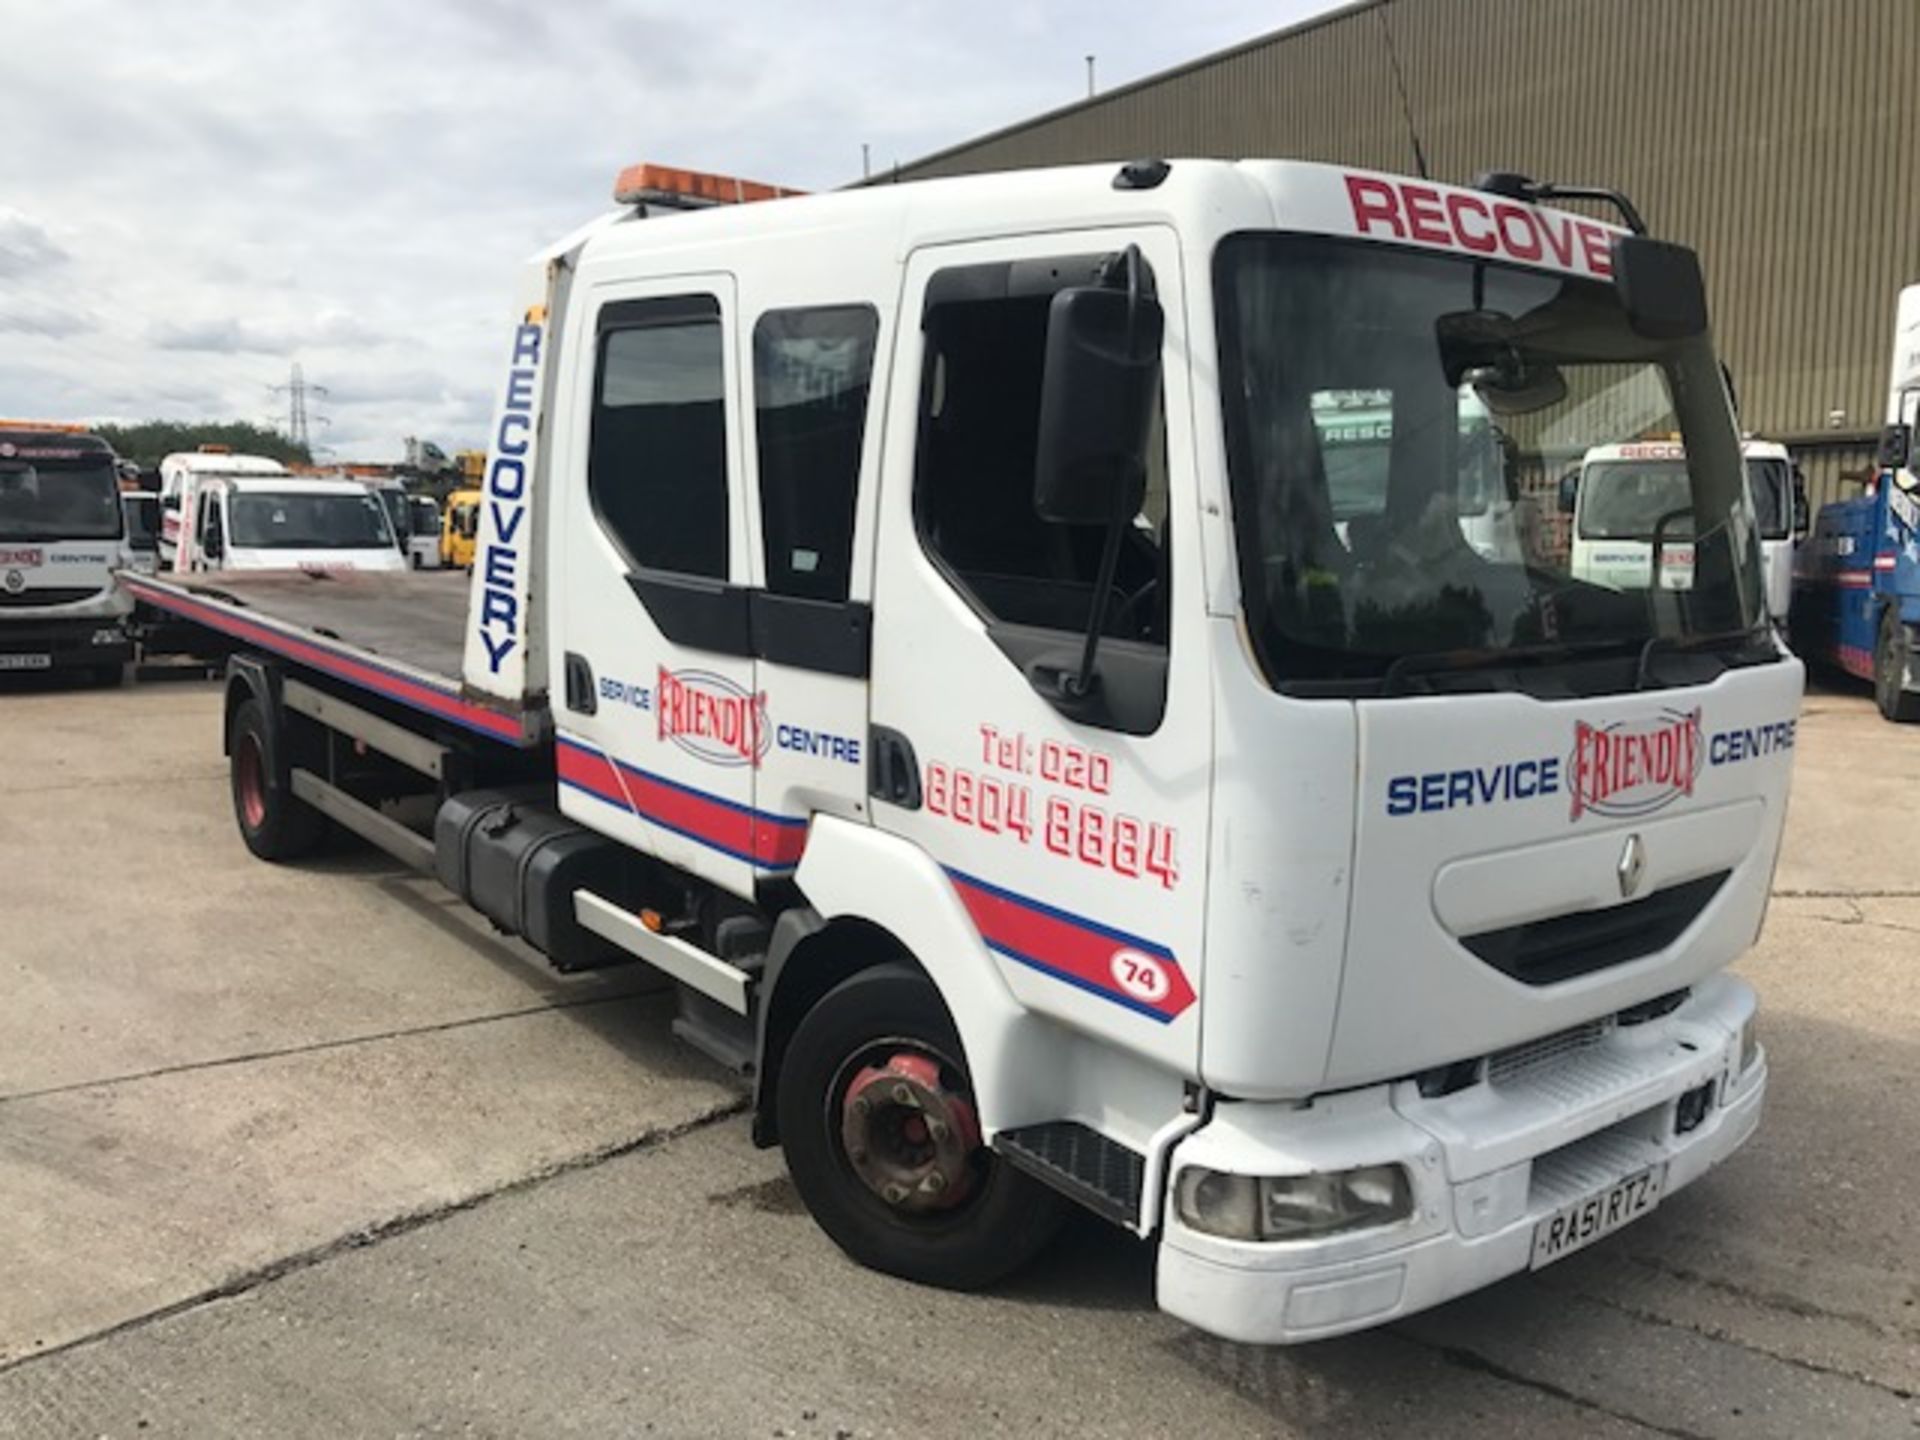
(1780, 138)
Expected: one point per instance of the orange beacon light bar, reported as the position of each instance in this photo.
(664, 185)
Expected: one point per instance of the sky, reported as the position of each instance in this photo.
(197, 194)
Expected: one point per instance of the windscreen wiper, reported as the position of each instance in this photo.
(1433, 662)
(1683, 644)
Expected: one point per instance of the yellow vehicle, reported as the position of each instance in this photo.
(459, 525)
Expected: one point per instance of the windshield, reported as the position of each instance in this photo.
(1397, 425)
(1628, 499)
(59, 499)
(1624, 499)
(425, 517)
(143, 520)
(271, 521)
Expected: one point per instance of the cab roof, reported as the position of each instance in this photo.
(1200, 197)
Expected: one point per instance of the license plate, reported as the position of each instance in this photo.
(26, 662)
(1573, 1227)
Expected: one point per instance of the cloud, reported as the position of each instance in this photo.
(25, 245)
(354, 185)
(27, 316)
(225, 336)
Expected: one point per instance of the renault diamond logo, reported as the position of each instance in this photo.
(15, 582)
(1632, 867)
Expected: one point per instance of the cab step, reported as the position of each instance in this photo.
(1082, 1164)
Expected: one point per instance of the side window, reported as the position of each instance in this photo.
(207, 522)
(974, 475)
(811, 370)
(657, 452)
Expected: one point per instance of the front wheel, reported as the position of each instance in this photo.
(878, 1124)
(1890, 660)
(274, 822)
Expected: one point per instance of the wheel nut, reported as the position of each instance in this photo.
(860, 1106)
(934, 1183)
(903, 1095)
(895, 1193)
(937, 1129)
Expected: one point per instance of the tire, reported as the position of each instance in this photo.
(274, 824)
(1003, 1219)
(1890, 657)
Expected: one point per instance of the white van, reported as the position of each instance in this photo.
(1624, 494)
(282, 522)
(177, 472)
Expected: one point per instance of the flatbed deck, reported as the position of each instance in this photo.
(401, 634)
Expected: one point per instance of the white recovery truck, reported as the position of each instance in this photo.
(62, 536)
(243, 522)
(1627, 498)
(916, 621)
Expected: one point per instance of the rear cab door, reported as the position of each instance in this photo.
(811, 329)
(659, 727)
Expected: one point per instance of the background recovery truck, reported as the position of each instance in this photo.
(915, 620)
(1857, 601)
(62, 536)
(1621, 495)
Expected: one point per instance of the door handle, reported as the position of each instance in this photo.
(581, 696)
(893, 771)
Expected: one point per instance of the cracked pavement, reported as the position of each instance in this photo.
(313, 1152)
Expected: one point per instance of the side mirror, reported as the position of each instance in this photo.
(170, 502)
(211, 545)
(1660, 287)
(1097, 400)
(1802, 512)
(1896, 447)
(1569, 491)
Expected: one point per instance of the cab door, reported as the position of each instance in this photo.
(1077, 842)
(659, 724)
(812, 343)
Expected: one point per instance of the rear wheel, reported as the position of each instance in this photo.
(1891, 652)
(878, 1124)
(275, 824)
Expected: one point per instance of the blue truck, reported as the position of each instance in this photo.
(1857, 586)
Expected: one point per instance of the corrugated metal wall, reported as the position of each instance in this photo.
(1781, 138)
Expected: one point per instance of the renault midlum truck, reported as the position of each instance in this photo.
(917, 621)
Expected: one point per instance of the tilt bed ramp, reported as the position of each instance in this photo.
(397, 635)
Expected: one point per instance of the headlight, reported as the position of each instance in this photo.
(1292, 1207)
(1749, 1042)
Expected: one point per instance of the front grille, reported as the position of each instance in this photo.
(1545, 952)
(1508, 1065)
(49, 595)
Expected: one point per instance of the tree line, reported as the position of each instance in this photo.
(149, 441)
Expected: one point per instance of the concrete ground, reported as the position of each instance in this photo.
(310, 1151)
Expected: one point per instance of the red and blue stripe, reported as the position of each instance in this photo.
(1071, 948)
(761, 839)
(412, 690)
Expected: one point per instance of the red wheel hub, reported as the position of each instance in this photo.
(250, 775)
(909, 1136)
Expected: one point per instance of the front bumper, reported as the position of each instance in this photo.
(68, 643)
(1487, 1163)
